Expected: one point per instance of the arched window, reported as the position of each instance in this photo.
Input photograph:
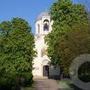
(43, 52)
(38, 28)
(46, 20)
(46, 27)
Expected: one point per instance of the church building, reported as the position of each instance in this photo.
(41, 63)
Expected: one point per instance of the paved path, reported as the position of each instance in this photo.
(46, 84)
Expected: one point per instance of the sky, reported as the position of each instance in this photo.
(26, 9)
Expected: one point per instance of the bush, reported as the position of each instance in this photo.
(16, 53)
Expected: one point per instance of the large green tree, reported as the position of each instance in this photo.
(71, 45)
(16, 51)
(67, 16)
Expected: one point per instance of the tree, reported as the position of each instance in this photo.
(16, 51)
(71, 45)
(67, 16)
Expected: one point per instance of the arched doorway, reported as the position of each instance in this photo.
(46, 71)
(45, 67)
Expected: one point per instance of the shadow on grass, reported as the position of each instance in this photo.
(30, 87)
(74, 87)
(67, 85)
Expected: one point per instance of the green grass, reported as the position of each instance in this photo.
(29, 88)
(67, 85)
(64, 84)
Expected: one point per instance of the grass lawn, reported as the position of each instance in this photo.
(64, 84)
(28, 88)
(67, 85)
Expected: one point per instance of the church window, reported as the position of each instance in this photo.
(46, 20)
(46, 27)
(38, 28)
(43, 52)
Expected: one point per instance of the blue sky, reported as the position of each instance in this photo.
(27, 9)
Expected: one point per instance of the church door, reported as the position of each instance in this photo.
(46, 70)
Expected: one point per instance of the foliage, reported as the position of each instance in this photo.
(16, 51)
(71, 45)
(67, 17)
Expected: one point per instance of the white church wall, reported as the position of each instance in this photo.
(37, 66)
(41, 60)
(36, 26)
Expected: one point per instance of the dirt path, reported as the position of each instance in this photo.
(46, 84)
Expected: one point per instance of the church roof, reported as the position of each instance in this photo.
(42, 14)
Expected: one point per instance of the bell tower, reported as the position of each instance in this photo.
(43, 24)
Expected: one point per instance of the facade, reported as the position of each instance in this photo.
(43, 26)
